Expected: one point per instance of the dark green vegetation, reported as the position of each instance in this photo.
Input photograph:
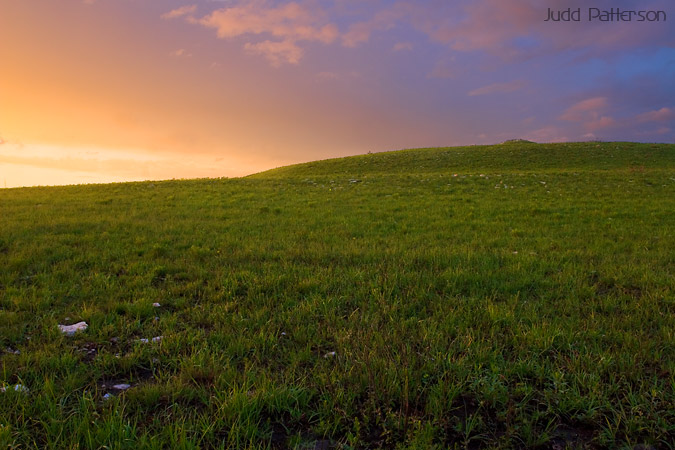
(525, 302)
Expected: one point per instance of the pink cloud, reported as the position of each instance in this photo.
(660, 115)
(585, 109)
(590, 113)
(547, 134)
(600, 124)
(180, 12)
(494, 88)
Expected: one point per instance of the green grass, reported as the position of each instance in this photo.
(509, 296)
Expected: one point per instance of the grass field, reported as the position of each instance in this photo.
(509, 296)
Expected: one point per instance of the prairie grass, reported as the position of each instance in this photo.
(509, 296)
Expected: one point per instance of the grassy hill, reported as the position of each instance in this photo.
(510, 296)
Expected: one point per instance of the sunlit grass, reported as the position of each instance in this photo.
(510, 296)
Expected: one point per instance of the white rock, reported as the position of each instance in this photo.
(329, 355)
(146, 340)
(107, 396)
(122, 386)
(156, 305)
(17, 388)
(70, 330)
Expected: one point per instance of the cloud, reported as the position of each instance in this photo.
(516, 30)
(289, 23)
(276, 52)
(181, 52)
(600, 123)
(661, 115)
(385, 19)
(591, 113)
(585, 109)
(486, 25)
(547, 134)
(400, 46)
(494, 88)
(180, 12)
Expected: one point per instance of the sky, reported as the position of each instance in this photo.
(97, 91)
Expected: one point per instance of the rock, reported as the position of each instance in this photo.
(70, 330)
(17, 388)
(329, 355)
(146, 340)
(121, 386)
(156, 305)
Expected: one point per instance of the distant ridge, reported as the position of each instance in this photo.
(512, 155)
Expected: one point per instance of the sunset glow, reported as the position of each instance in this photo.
(121, 90)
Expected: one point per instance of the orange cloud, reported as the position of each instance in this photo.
(180, 12)
(290, 23)
(494, 88)
(181, 52)
(277, 52)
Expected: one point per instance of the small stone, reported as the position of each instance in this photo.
(107, 397)
(70, 330)
(17, 388)
(121, 386)
(146, 340)
(329, 355)
(156, 305)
